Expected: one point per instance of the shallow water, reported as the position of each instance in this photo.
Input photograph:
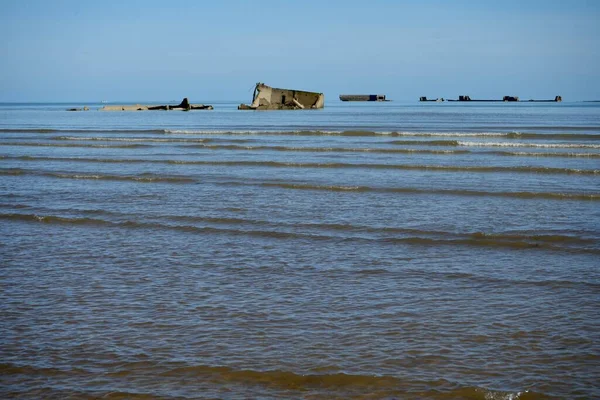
(392, 250)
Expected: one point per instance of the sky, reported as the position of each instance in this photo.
(217, 50)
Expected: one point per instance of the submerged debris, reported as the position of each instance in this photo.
(183, 106)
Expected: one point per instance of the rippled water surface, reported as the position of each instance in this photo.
(392, 250)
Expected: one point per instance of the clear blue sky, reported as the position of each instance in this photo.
(58, 50)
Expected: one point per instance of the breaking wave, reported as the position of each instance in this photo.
(322, 132)
(543, 154)
(539, 145)
(457, 143)
(123, 139)
(368, 133)
(329, 149)
(204, 143)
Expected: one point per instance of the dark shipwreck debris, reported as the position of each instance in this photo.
(505, 99)
(183, 106)
(363, 97)
(423, 98)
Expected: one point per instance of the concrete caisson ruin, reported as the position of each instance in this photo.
(269, 98)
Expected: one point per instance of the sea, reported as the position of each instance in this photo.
(394, 250)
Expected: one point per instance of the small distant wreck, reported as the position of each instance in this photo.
(268, 98)
(363, 97)
(468, 98)
(183, 106)
(557, 99)
(423, 98)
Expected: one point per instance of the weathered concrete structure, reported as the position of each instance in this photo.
(362, 97)
(268, 98)
(183, 106)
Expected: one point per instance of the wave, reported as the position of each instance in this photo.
(571, 136)
(12, 369)
(144, 178)
(202, 144)
(101, 146)
(381, 231)
(259, 383)
(561, 128)
(53, 219)
(387, 150)
(472, 277)
(422, 238)
(358, 133)
(538, 145)
(381, 385)
(455, 192)
(82, 159)
(457, 143)
(511, 282)
(83, 130)
(369, 133)
(545, 238)
(326, 132)
(122, 139)
(328, 149)
(13, 171)
(332, 188)
(482, 242)
(446, 168)
(278, 164)
(543, 154)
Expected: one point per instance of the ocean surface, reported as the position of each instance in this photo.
(363, 251)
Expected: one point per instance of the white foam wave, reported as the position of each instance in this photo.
(77, 176)
(340, 132)
(124, 139)
(207, 132)
(452, 134)
(538, 145)
(544, 154)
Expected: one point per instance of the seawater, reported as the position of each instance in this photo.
(390, 250)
